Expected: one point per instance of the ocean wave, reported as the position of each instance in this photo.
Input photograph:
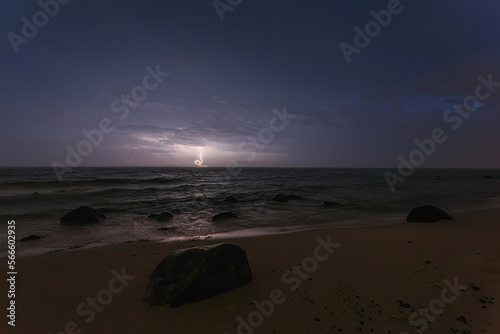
(91, 182)
(66, 194)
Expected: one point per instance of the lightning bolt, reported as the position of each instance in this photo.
(199, 162)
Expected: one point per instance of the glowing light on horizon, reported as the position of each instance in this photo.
(169, 162)
(199, 162)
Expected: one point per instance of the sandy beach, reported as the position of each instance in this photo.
(383, 279)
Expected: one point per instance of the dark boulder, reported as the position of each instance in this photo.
(224, 215)
(403, 304)
(82, 215)
(163, 217)
(163, 229)
(487, 177)
(31, 237)
(194, 274)
(280, 198)
(285, 198)
(330, 204)
(231, 199)
(427, 214)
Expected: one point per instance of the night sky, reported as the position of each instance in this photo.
(269, 85)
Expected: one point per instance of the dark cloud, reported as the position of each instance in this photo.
(227, 77)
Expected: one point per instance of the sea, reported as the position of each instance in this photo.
(36, 200)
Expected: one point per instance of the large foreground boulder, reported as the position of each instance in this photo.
(194, 274)
(82, 215)
(427, 214)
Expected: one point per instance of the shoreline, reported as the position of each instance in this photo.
(346, 223)
(359, 286)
